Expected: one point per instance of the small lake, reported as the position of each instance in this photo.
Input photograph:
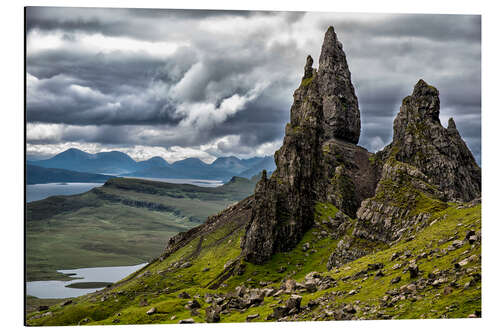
(60, 289)
(41, 191)
(197, 182)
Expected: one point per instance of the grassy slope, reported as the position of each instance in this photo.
(96, 228)
(159, 285)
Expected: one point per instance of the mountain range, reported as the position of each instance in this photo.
(118, 163)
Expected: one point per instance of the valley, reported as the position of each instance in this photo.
(123, 222)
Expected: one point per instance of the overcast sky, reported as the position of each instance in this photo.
(206, 84)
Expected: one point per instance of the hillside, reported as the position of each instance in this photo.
(376, 286)
(40, 175)
(124, 222)
(335, 233)
(266, 164)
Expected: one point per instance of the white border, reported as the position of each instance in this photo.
(12, 144)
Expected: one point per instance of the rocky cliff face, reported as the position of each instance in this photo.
(440, 153)
(388, 193)
(425, 166)
(319, 159)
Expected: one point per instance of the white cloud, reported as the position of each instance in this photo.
(38, 41)
(200, 116)
(376, 144)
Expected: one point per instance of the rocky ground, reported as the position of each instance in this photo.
(437, 274)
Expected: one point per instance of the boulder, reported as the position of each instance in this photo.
(413, 270)
(252, 317)
(293, 303)
(212, 314)
(191, 305)
(184, 295)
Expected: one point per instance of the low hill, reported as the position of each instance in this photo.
(123, 222)
(40, 175)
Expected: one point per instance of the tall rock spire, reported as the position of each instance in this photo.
(318, 160)
(340, 104)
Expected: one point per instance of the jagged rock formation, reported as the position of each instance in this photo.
(440, 153)
(340, 104)
(319, 159)
(424, 166)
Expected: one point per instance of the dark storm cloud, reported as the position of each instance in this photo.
(116, 21)
(231, 74)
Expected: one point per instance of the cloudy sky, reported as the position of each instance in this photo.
(206, 84)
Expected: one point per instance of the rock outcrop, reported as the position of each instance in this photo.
(319, 159)
(440, 153)
(426, 165)
(340, 104)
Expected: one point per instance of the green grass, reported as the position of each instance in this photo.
(125, 222)
(160, 283)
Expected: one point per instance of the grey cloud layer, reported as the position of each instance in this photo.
(126, 91)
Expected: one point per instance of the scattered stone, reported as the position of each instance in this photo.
(184, 295)
(312, 275)
(373, 267)
(396, 280)
(349, 308)
(413, 269)
(212, 314)
(191, 305)
(312, 304)
(447, 290)
(187, 321)
(395, 255)
(67, 302)
(240, 291)
(84, 321)
(293, 303)
(290, 285)
(151, 311)
(397, 266)
(279, 312)
(473, 239)
(252, 316)
(310, 286)
(256, 296)
(268, 292)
